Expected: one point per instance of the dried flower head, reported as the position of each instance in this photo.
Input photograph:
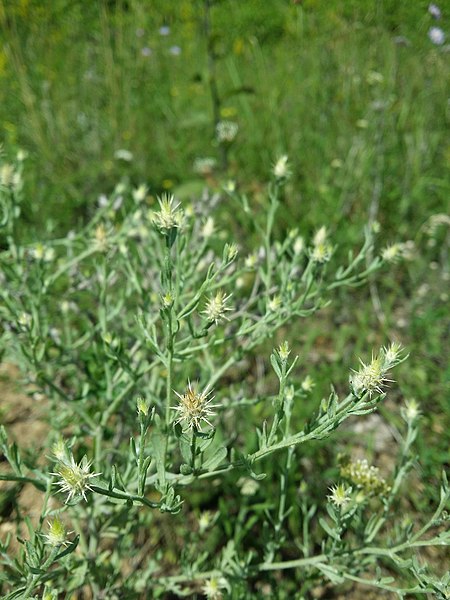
(339, 495)
(169, 215)
(194, 407)
(216, 307)
(74, 478)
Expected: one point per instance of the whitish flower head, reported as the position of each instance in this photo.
(299, 245)
(175, 50)
(208, 228)
(205, 165)
(308, 384)
(337, 163)
(281, 168)
(140, 193)
(436, 35)
(364, 476)
(41, 252)
(226, 131)
(392, 355)
(216, 307)
(24, 320)
(339, 495)
(56, 534)
(362, 123)
(230, 252)
(205, 520)
(194, 407)
(251, 261)
(59, 451)
(212, 588)
(411, 411)
(169, 215)
(392, 253)
(373, 77)
(8, 175)
(123, 154)
(101, 237)
(434, 11)
(230, 186)
(371, 377)
(284, 351)
(274, 304)
(164, 30)
(74, 479)
(142, 405)
(322, 250)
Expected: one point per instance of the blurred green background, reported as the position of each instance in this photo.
(356, 94)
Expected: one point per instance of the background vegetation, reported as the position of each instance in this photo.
(354, 92)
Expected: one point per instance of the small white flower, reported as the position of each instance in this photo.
(146, 51)
(436, 35)
(175, 50)
(164, 30)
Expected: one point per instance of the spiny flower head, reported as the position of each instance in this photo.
(371, 377)
(339, 495)
(411, 411)
(216, 307)
(308, 384)
(74, 478)
(169, 215)
(194, 407)
(56, 535)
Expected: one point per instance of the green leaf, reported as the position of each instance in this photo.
(215, 459)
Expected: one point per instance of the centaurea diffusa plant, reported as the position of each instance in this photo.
(146, 308)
